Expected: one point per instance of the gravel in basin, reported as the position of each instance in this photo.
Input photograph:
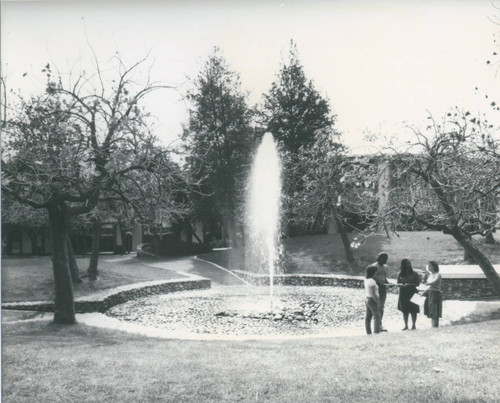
(247, 310)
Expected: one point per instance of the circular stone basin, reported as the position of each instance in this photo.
(248, 311)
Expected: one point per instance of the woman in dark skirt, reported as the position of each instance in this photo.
(433, 307)
(408, 281)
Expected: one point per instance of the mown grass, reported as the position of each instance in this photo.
(52, 363)
(320, 254)
(31, 278)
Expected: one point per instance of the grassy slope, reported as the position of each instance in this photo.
(31, 278)
(318, 254)
(52, 363)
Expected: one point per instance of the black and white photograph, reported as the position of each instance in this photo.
(250, 201)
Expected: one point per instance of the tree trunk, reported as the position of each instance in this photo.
(479, 258)
(73, 267)
(468, 257)
(64, 311)
(345, 239)
(34, 250)
(119, 246)
(229, 232)
(490, 239)
(189, 235)
(196, 236)
(94, 254)
(156, 240)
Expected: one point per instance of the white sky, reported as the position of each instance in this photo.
(379, 63)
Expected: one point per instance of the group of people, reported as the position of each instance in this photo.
(408, 280)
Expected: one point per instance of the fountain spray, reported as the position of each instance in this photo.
(263, 210)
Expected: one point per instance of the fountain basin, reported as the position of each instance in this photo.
(246, 311)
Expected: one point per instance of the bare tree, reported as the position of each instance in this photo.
(450, 181)
(336, 187)
(71, 147)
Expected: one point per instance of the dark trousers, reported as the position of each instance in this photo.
(382, 292)
(372, 311)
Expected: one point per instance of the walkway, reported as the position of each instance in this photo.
(189, 266)
(186, 267)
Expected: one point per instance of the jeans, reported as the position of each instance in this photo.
(372, 311)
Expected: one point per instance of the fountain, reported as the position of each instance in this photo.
(244, 311)
(252, 311)
(263, 208)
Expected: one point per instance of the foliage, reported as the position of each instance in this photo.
(293, 110)
(73, 143)
(450, 181)
(337, 189)
(16, 214)
(335, 185)
(452, 176)
(218, 138)
(76, 145)
(158, 200)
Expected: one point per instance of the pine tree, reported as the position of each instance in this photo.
(218, 140)
(293, 109)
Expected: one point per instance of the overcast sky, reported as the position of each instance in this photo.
(379, 63)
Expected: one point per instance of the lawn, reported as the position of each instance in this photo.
(50, 363)
(320, 254)
(31, 278)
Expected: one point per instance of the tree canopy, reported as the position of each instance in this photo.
(293, 110)
(449, 180)
(77, 144)
(219, 140)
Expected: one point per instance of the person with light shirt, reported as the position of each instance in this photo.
(381, 279)
(372, 302)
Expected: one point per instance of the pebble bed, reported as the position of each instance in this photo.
(246, 310)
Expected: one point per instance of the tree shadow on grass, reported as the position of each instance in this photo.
(479, 315)
(325, 254)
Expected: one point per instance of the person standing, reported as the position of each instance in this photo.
(372, 301)
(381, 280)
(433, 307)
(408, 280)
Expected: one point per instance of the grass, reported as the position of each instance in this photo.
(52, 363)
(31, 278)
(320, 254)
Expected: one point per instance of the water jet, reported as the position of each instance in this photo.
(263, 212)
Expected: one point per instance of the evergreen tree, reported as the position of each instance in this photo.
(293, 109)
(218, 139)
